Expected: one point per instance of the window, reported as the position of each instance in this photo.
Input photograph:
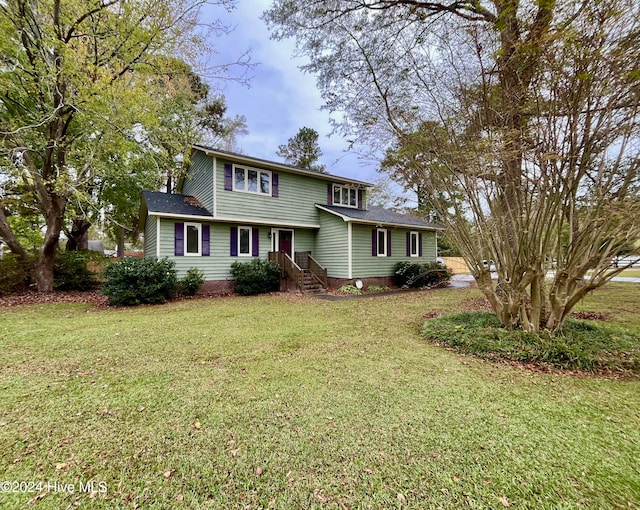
(345, 196)
(251, 180)
(244, 241)
(192, 238)
(381, 250)
(414, 244)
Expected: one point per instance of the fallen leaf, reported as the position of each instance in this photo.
(167, 474)
(401, 497)
(179, 497)
(234, 453)
(259, 471)
(197, 425)
(61, 465)
(504, 501)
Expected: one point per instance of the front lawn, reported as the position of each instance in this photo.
(288, 402)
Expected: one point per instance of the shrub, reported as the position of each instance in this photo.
(377, 288)
(347, 288)
(135, 281)
(410, 274)
(13, 275)
(191, 283)
(255, 277)
(581, 345)
(70, 271)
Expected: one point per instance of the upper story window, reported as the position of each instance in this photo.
(251, 180)
(345, 196)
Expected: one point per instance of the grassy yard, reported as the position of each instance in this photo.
(287, 402)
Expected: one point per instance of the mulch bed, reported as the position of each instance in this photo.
(39, 298)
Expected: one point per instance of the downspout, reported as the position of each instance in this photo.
(349, 250)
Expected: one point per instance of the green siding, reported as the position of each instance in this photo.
(199, 180)
(297, 196)
(366, 265)
(305, 240)
(150, 236)
(332, 246)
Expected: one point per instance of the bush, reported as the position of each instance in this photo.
(135, 281)
(255, 277)
(191, 283)
(13, 275)
(410, 274)
(581, 345)
(347, 288)
(70, 271)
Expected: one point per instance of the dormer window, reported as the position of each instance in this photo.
(251, 180)
(345, 196)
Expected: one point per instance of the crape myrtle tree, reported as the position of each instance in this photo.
(303, 150)
(77, 83)
(519, 118)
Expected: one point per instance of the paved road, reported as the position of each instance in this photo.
(459, 279)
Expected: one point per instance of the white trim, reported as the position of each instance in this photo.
(250, 229)
(385, 244)
(226, 219)
(158, 237)
(215, 187)
(275, 241)
(186, 243)
(349, 250)
(349, 219)
(411, 234)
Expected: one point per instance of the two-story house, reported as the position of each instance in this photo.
(318, 226)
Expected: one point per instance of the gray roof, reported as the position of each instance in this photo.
(379, 215)
(173, 204)
(283, 166)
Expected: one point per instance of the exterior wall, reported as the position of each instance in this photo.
(366, 265)
(150, 236)
(217, 265)
(332, 246)
(297, 196)
(199, 180)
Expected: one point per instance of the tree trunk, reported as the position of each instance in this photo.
(43, 270)
(79, 235)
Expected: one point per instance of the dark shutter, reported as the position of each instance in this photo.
(374, 242)
(274, 185)
(360, 194)
(255, 242)
(234, 242)
(178, 246)
(205, 240)
(388, 243)
(408, 244)
(420, 244)
(330, 194)
(228, 177)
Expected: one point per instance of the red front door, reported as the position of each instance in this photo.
(285, 238)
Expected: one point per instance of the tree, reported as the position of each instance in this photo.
(77, 82)
(519, 118)
(303, 150)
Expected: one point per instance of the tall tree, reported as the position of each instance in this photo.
(76, 81)
(303, 150)
(532, 120)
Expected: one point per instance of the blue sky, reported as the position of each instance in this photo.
(280, 98)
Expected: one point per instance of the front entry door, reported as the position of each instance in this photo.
(284, 241)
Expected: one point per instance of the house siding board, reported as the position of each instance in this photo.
(305, 240)
(366, 266)
(199, 180)
(297, 196)
(150, 237)
(332, 245)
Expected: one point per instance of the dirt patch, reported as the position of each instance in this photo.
(38, 298)
(590, 316)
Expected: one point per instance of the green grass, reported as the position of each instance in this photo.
(283, 402)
